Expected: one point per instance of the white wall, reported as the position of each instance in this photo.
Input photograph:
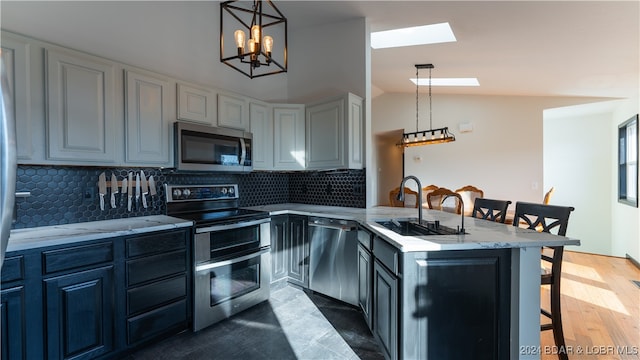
(328, 60)
(577, 160)
(502, 155)
(625, 235)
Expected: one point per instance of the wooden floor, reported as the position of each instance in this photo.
(600, 308)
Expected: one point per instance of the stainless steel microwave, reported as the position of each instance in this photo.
(208, 148)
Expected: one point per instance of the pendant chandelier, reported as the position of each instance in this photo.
(430, 136)
(257, 32)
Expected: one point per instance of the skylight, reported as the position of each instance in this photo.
(447, 82)
(417, 35)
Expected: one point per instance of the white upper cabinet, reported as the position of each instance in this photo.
(261, 123)
(80, 114)
(196, 104)
(334, 133)
(16, 58)
(232, 112)
(355, 132)
(147, 118)
(289, 137)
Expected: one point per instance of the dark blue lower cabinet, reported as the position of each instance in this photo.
(79, 314)
(13, 323)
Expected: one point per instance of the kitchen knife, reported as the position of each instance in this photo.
(137, 191)
(130, 192)
(152, 191)
(145, 188)
(114, 190)
(102, 188)
(123, 197)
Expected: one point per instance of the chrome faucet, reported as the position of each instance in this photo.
(461, 230)
(419, 200)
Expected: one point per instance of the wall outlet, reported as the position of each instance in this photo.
(89, 193)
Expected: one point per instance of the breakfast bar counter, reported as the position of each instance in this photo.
(448, 280)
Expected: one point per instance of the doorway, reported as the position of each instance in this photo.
(390, 161)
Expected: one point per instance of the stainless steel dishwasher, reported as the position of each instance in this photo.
(333, 258)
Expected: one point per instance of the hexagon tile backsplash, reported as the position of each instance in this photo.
(69, 194)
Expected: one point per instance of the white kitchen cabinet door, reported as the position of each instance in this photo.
(289, 137)
(196, 105)
(355, 132)
(16, 59)
(335, 133)
(81, 120)
(261, 123)
(325, 127)
(147, 119)
(232, 112)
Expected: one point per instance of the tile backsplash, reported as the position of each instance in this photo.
(69, 194)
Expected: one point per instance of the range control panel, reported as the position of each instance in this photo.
(201, 192)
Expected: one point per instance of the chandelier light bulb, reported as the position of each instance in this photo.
(252, 46)
(239, 36)
(255, 33)
(268, 44)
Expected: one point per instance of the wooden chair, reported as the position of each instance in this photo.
(550, 219)
(548, 195)
(410, 198)
(490, 209)
(425, 191)
(436, 200)
(469, 194)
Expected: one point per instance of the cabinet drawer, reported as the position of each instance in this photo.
(76, 257)
(386, 254)
(146, 297)
(156, 243)
(164, 319)
(156, 267)
(13, 268)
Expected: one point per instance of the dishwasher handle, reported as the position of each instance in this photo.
(335, 224)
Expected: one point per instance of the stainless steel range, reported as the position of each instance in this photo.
(231, 256)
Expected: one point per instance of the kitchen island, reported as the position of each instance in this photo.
(489, 255)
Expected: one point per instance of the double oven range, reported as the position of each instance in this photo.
(231, 249)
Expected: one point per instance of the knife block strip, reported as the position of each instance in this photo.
(120, 184)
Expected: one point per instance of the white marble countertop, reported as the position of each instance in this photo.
(481, 234)
(22, 239)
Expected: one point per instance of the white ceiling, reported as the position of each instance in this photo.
(539, 48)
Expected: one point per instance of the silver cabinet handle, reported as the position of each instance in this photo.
(214, 264)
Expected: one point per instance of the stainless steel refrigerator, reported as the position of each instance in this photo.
(7, 149)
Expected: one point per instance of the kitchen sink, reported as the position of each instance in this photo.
(413, 228)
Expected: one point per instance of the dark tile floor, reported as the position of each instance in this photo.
(293, 324)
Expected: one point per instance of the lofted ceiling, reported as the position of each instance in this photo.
(534, 48)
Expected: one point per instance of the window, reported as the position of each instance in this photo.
(628, 162)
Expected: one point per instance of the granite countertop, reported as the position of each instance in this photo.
(22, 239)
(481, 234)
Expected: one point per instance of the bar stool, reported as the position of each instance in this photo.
(490, 209)
(549, 218)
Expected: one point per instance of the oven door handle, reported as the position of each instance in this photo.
(232, 226)
(214, 264)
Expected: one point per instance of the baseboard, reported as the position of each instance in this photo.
(633, 261)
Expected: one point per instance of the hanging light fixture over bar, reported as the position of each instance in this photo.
(257, 32)
(430, 136)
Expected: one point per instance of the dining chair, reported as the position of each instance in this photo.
(410, 198)
(469, 194)
(426, 190)
(550, 219)
(490, 209)
(445, 200)
(548, 195)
